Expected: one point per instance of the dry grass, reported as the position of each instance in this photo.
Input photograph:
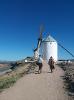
(69, 79)
(9, 79)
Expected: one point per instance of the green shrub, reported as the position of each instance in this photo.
(6, 83)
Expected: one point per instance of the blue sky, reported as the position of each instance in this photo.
(20, 21)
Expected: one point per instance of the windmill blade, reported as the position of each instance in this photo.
(33, 47)
(66, 49)
(40, 37)
(41, 30)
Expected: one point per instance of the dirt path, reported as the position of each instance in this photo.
(44, 86)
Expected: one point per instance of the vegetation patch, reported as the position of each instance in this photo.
(9, 79)
(69, 79)
(7, 82)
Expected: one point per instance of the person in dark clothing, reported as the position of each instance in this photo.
(51, 63)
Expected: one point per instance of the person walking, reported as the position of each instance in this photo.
(51, 63)
(39, 63)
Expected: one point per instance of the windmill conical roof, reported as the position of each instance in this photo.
(49, 39)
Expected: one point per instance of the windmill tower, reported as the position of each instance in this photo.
(49, 48)
(46, 47)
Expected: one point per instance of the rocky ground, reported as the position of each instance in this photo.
(69, 79)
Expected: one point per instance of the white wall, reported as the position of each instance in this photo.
(49, 49)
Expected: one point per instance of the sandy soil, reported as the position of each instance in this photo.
(44, 86)
(3, 65)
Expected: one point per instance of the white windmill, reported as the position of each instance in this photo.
(46, 47)
(49, 48)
